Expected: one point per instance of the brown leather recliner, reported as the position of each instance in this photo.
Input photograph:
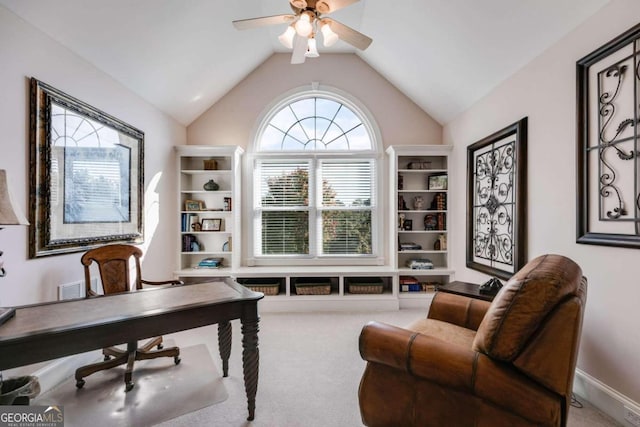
(474, 363)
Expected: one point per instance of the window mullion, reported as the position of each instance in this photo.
(314, 226)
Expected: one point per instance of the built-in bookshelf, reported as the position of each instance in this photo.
(419, 212)
(209, 210)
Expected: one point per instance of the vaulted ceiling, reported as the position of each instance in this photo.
(184, 55)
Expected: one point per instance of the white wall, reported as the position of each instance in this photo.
(233, 119)
(544, 91)
(26, 52)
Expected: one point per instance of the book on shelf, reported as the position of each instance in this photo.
(190, 243)
(439, 202)
(210, 263)
(420, 264)
(442, 221)
(430, 286)
(188, 220)
(408, 280)
(410, 246)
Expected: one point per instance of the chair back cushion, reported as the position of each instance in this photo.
(523, 304)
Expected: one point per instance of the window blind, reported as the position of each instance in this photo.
(347, 207)
(283, 208)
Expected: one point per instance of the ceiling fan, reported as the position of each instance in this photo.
(305, 21)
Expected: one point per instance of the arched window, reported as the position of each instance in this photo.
(315, 172)
(315, 124)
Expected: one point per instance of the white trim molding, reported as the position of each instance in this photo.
(603, 397)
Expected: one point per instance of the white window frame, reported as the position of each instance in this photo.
(252, 197)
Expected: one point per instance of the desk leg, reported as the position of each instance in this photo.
(224, 344)
(250, 356)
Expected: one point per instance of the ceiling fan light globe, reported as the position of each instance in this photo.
(329, 37)
(300, 4)
(303, 25)
(312, 49)
(286, 38)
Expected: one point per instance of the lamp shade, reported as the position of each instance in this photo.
(10, 214)
(286, 38)
(330, 38)
(312, 49)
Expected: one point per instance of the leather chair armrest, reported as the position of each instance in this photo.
(458, 310)
(420, 355)
(451, 366)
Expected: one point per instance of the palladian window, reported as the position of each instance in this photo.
(315, 182)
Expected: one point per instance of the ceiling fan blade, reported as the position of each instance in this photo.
(330, 6)
(299, 49)
(349, 35)
(246, 24)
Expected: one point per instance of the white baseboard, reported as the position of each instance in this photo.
(603, 397)
(57, 371)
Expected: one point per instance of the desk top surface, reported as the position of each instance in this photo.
(88, 312)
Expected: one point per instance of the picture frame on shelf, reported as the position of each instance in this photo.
(194, 205)
(437, 182)
(408, 224)
(496, 201)
(211, 224)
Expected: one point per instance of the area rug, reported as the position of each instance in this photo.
(162, 391)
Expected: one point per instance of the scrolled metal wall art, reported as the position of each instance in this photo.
(608, 169)
(607, 108)
(496, 184)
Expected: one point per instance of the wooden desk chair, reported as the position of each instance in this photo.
(113, 265)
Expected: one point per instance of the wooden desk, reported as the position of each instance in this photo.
(47, 331)
(466, 289)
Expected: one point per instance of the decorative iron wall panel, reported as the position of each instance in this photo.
(496, 204)
(608, 94)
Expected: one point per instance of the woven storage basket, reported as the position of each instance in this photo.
(264, 285)
(313, 286)
(365, 285)
(265, 289)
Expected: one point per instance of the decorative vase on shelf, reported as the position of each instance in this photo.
(418, 203)
(211, 185)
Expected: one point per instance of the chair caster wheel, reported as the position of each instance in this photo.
(107, 358)
(160, 346)
(176, 360)
(80, 383)
(128, 387)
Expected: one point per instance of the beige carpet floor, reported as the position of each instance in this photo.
(310, 369)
